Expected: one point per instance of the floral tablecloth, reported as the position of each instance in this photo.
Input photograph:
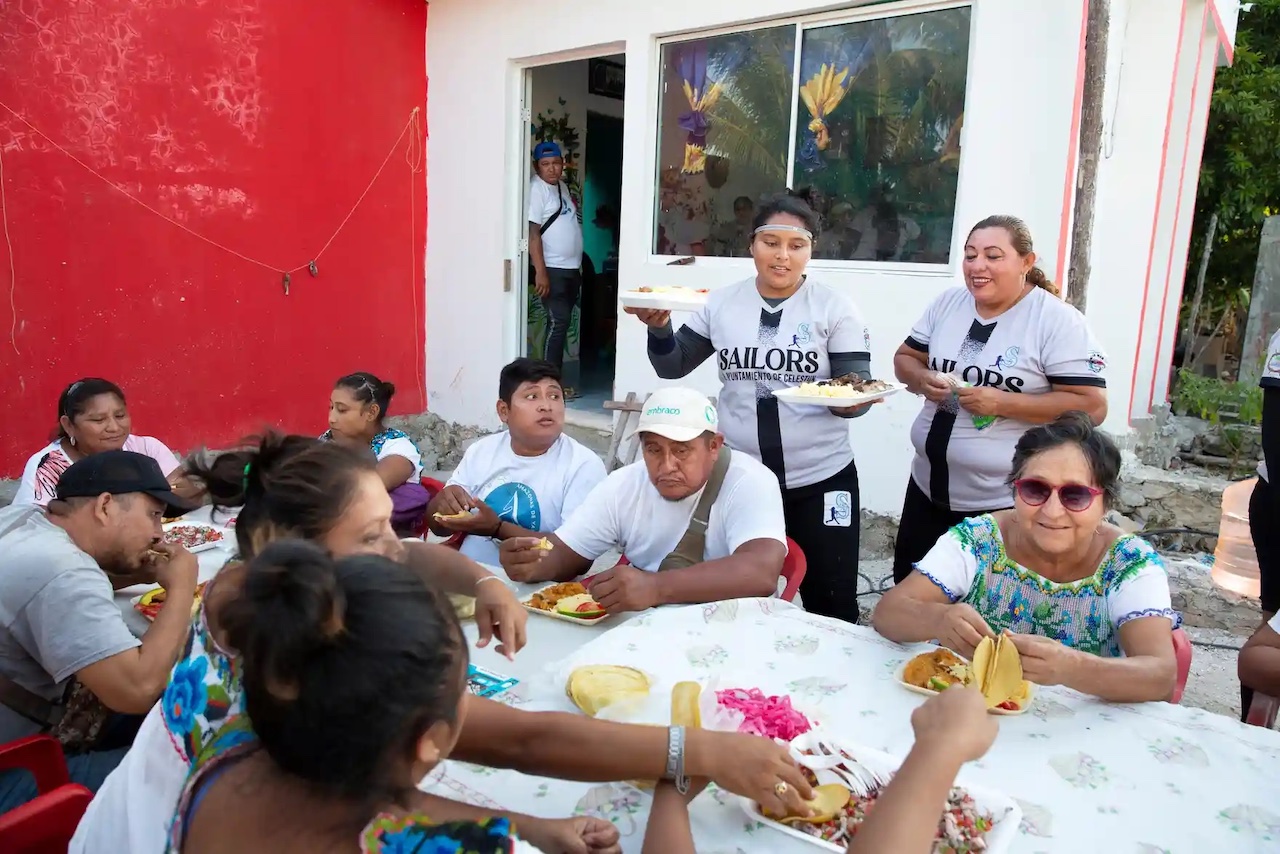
(1090, 776)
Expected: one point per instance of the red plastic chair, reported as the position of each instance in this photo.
(435, 487)
(47, 823)
(1182, 652)
(793, 569)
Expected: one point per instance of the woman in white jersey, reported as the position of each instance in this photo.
(357, 409)
(992, 359)
(776, 330)
(1264, 511)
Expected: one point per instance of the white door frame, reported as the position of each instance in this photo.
(519, 157)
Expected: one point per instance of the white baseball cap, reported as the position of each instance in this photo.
(679, 414)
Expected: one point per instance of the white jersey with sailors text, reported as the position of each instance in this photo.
(1038, 343)
(761, 348)
(1270, 380)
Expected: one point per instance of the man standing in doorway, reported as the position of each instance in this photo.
(555, 248)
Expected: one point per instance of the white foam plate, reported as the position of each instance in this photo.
(1005, 812)
(668, 301)
(555, 615)
(853, 398)
(916, 689)
(204, 547)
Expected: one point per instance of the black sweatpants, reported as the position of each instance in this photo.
(824, 519)
(923, 523)
(559, 304)
(1265, 529)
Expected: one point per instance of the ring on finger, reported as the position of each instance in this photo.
(781, 788)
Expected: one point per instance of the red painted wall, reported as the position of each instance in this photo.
(257, 124)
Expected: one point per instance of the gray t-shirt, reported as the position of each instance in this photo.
(57, 611)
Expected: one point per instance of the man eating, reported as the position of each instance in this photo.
(696, 522)
(58, 615)
(522, 481)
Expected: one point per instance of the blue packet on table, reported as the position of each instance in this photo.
(486, 683)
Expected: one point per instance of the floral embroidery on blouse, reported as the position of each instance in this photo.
(417, 834)
(1011, 597)
(203, 691)
(377, 441)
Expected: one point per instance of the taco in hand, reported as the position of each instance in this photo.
(997, 673)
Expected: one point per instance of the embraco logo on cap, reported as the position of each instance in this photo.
(662, 410)
(710, 414)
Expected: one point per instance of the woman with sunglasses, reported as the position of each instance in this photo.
(1086, 604)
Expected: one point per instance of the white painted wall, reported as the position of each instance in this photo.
(1017, 137)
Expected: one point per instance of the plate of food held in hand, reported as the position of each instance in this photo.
(150, 603)
(848, 780)
(848, 390)
(193, 537)
(996, 671)
(568, 601)
(674, 298)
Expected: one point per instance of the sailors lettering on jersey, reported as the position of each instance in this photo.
(992, 360)
(780, 329)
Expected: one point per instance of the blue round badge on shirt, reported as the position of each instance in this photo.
(516, 503)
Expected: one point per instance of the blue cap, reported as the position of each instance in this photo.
(547, 149)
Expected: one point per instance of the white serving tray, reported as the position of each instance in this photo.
(1005, 812)
(853, 398)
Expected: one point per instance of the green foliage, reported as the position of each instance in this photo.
(1240, 171)
(1213, 399)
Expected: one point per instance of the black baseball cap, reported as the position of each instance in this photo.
(121, 473)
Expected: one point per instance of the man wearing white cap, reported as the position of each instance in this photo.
(697, 522)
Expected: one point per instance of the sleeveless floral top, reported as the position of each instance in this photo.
(970, 565)
(387, 833)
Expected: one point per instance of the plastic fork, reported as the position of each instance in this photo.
(829, 757)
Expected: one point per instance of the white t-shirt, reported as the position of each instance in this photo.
(1270, 379)
(391, 443)
(562, 242)
(394, 443)
(45, 467)
(1039, 342)
(537, 493)
(762, 348)
(627, 512)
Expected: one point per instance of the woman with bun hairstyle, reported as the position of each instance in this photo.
(357, 411)
(992, 359)
(331, 495)
(779, 329)
(354, 672)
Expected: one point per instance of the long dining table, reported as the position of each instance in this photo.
(1088, 775)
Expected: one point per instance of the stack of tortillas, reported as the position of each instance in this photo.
(997, 671)
(596, 686)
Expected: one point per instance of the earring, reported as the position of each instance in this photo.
(73, 440)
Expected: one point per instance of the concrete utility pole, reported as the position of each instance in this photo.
(1264, 304)
(1098, 30)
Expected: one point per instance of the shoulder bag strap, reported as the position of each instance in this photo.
(542, 229)
(693, 544)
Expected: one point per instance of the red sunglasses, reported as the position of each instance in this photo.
(1075, 497)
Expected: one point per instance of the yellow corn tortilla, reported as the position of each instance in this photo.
(997, 671)
(593, 687)
(684, 705)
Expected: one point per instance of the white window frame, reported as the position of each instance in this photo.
(875, 10)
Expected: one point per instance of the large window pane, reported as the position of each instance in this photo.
(881, 104)
(724, 123)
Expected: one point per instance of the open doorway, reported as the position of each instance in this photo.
(578, 106)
